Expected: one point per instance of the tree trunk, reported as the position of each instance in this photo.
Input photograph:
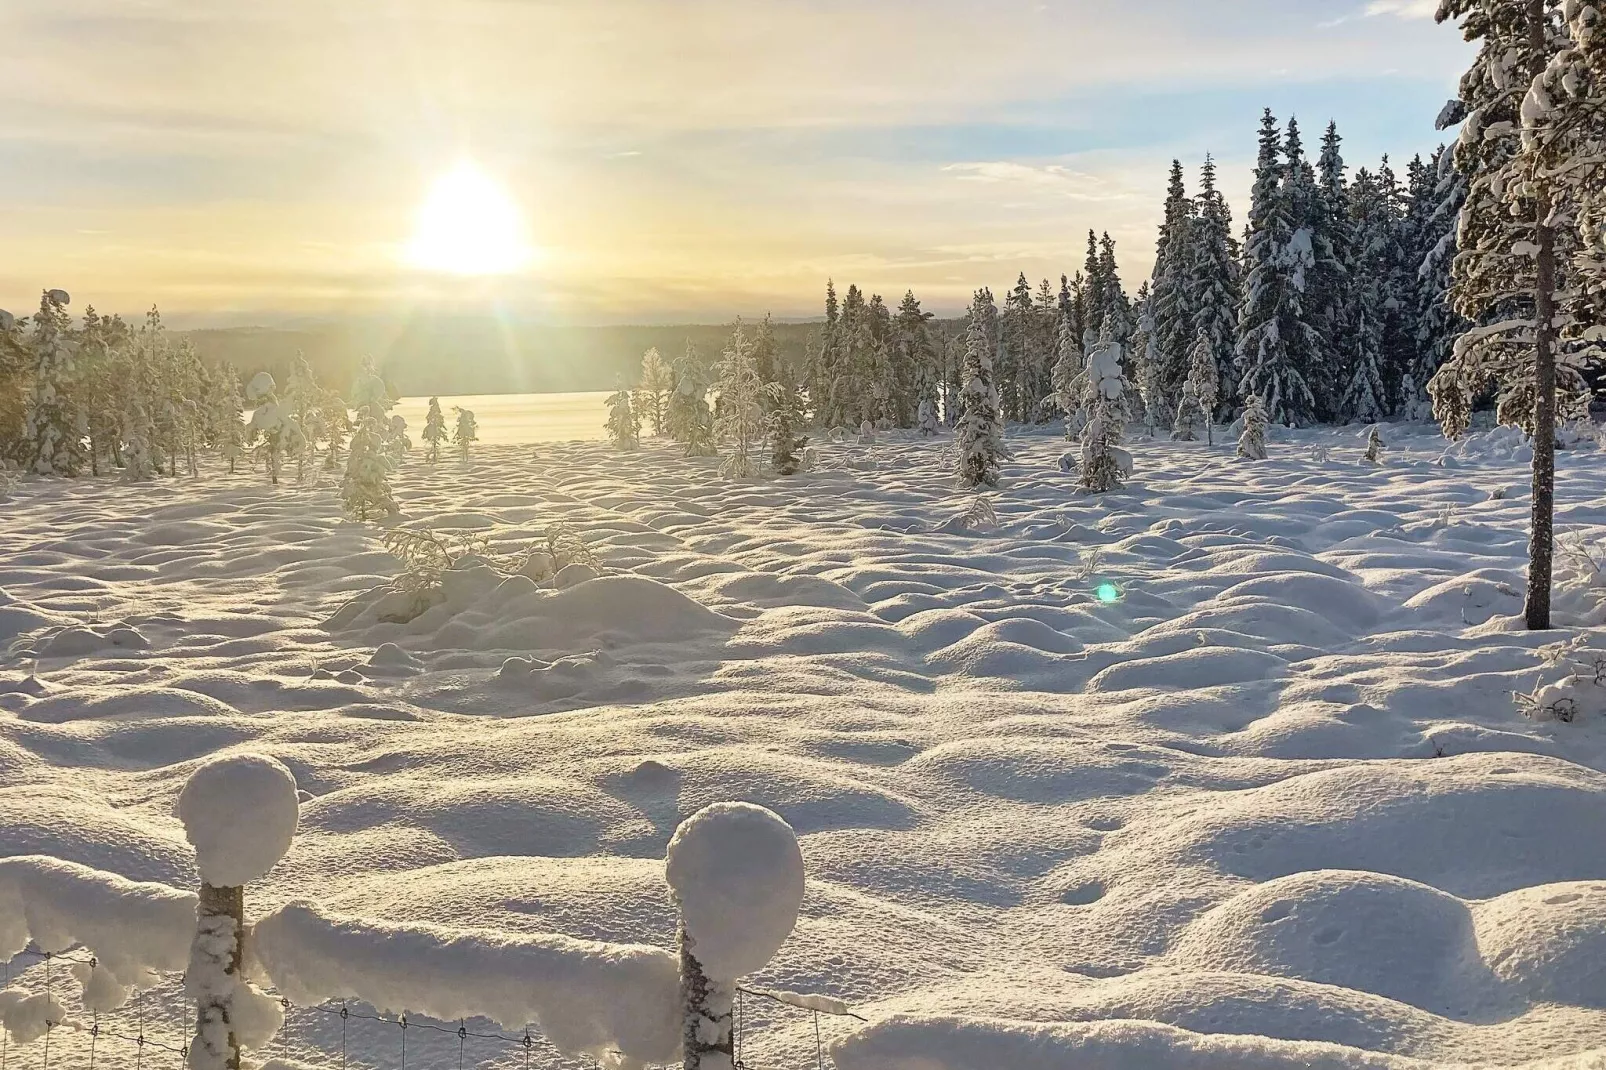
(1541, 533)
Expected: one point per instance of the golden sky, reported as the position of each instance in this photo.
(673, 159)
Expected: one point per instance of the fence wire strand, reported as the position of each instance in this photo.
(168, 1008)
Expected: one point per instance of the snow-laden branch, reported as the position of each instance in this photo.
(132, 928)
(588, 998)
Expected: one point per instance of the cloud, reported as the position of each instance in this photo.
(1405, 9)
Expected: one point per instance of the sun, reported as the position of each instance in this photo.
(468, 225)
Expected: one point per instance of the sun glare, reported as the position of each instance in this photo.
(469, 226)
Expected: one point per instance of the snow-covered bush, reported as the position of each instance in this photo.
(434, 429)
(1578, 688)
(1252, 443)
(1103, 462)
(624, 425)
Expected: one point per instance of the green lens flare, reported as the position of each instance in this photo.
(1108, 592)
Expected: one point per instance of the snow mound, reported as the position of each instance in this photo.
(910, 1042)
(737, 875)
(1364, 931)
(484, 610)
(1548, 942)
(239, 811)
(588, 998)
(1498, 445)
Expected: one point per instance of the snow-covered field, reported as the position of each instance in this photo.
(1233, 750)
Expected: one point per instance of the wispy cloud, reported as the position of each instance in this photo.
(1405, 9)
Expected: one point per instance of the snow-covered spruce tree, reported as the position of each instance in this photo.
(766, 352)
(1067, 376)
(624, 425)
(915, 361)
(1150, 365)
(741, 410)
(397, 444)
(657, 382)
(435, 431)
(1252, 443)
(1012, 367)
(786, 420)
(690, 421)
(465, 431)
(1506, 272)
(1190, 422)
(1171, 313)
(273, 432)
(981, 425)
(1438, 324)
(1364, 394)
(1274, 338)
(55, 425)
(16, 371)
(97, 390)
(1214, 287)
(138, 465)
(1333, 279)
(226, 415)
(365, 490)
(1104, 463)
(337, 426)
(1116, 316)
(303, 405)
(1203, 370)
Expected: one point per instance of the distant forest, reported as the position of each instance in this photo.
(475, 355)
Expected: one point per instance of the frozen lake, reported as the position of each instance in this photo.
(515, 419)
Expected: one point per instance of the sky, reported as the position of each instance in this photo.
(235, 161)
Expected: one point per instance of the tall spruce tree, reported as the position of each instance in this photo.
(1274, 338)
(1333, 289)
(1214, 282)
(1171, 294)
(56, 424)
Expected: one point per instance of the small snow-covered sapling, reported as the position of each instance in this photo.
(1374, 446)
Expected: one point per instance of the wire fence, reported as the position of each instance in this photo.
(153, 1030)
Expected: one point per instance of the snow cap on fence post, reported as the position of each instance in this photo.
(736, 873)
(239, 812)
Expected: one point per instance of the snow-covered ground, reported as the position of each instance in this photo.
(1231, 751)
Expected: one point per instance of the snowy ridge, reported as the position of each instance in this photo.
(589, 998)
